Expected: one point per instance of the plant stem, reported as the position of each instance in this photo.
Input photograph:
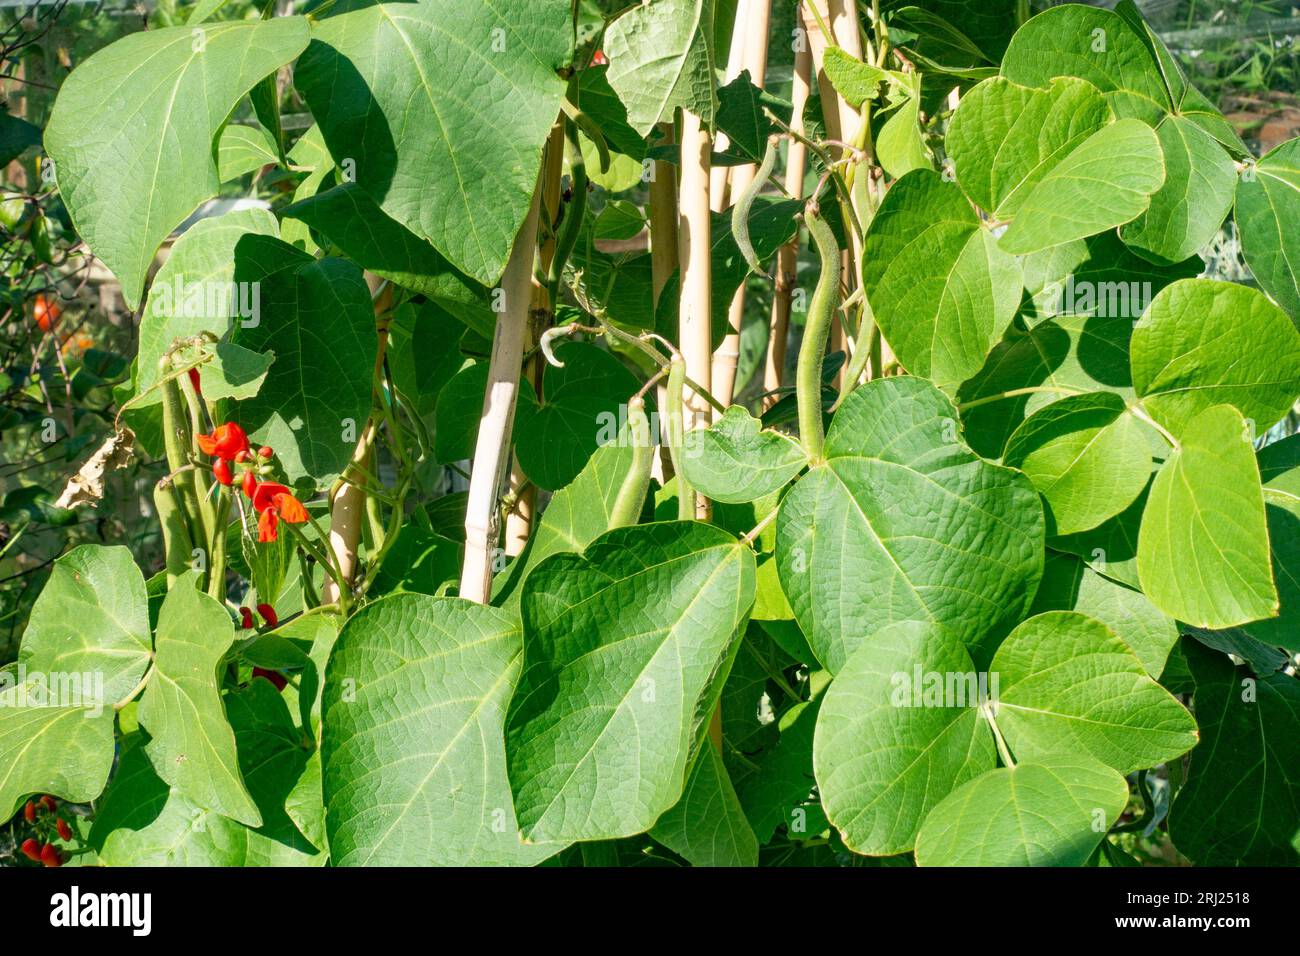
(492, 449)
(787, 259)
(348, 504)
(821, 310)
(1015, 392)
(694, 252)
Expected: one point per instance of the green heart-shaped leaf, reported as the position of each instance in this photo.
(889, 746)
(1068, 685)
(1204, 343)
(146, 161)
(1005, 137)
(414, 769)
(1087, 457)
(734, 461)
(1202, 553)
(707, 825)
(457, 170)
(1070, 585)
(192, 746)
(1051, 812)
(940, 287)
(626, 649)
(1268, 205)
(903, 523)
(1105, 182)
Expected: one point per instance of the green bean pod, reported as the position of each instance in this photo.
(631, 494)
(821, 310)
(745, 204)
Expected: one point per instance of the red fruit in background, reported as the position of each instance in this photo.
(32, 850)
(29, 812)
(48, 803)
(599, 59)
(249, 483)
(276, 679)
(246, 619)
(221, 468)
(65, 831)
(226, 441)
(265, 452)
(268, 615)
(46, 312)
(50, 855)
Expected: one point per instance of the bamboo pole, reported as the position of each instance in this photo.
(787, 259)
(522, 493)
(720, 177)
(492, 449)
(757, 22)
(693, 252)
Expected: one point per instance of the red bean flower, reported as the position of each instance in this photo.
(226, 441)
(32, 850)
(274, 503)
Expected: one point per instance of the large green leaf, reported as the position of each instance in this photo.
(91, 618)
(734, 461)
(86, 646)
(350, 218)
(1186, 212)
(661, 58)
(707, 825)
(1279, 467)
(412, 754)
(903, 523)
(144, 822)
(194, 289)
(316, 316)
(443, 106)
(898, 730)
(1241, 802)
(1068, 685)
(1096, 45)
(1087, 456)
(1005, 137)
(1268, 205)
(581, 406)
(192, 745)
(576, 515)
(626, 649)
(1203, 343)
(1105, 182)
(133, 128)
(1203, 553)
(1051, 812)
(938, 283)
(1070, 585)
